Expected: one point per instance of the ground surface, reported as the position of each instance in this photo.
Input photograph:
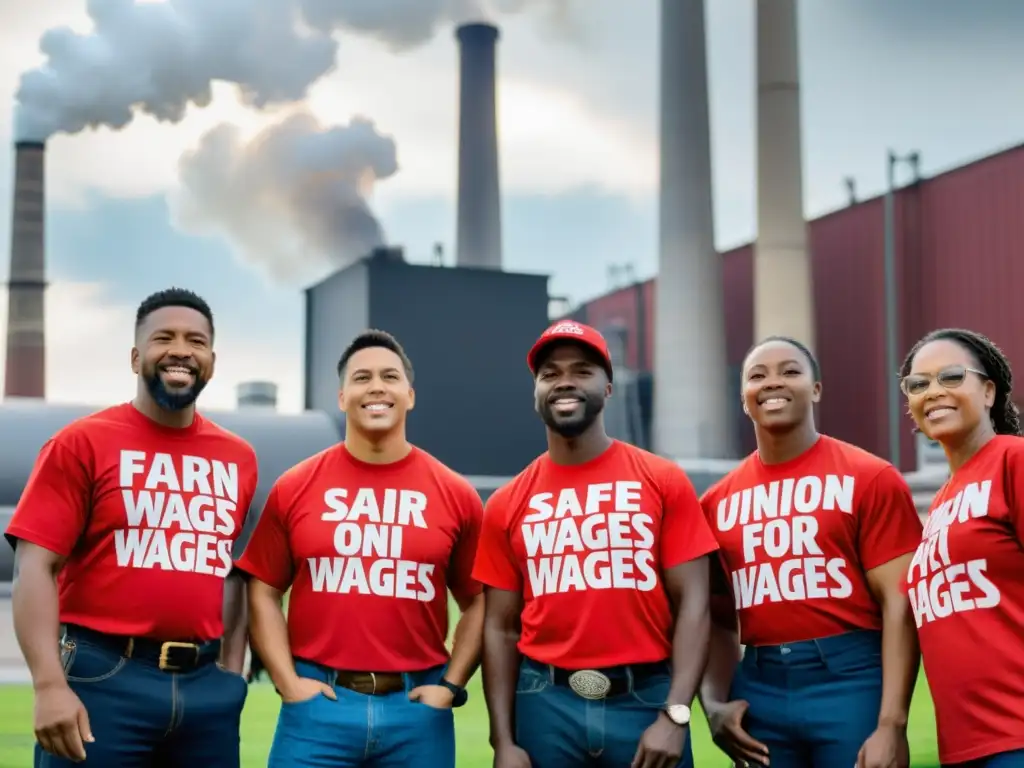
(471, 725)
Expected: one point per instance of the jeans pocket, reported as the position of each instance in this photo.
(92, 664)
(652, 691)
(531, 681)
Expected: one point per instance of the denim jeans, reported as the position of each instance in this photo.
(386, 731)
(813, 703)
(559, 729)
(142, 717)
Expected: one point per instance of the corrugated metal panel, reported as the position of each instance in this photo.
(621, 308)
(648, 297)
(974, 236)
(846, 260)
(958, 240)
(738, 279)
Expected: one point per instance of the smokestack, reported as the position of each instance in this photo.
(691, 387)
(25, 374)
(479, 213)
(783, 295)
(256, 394)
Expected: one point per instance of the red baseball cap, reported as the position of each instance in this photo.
(571, 331)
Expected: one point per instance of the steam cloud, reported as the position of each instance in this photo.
(159, 57)
(293, 198)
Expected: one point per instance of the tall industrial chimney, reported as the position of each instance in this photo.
(783, 294)
(479, 207)
(691, 387)
(25, 374)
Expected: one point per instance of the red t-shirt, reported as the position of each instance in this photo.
(586, 545)
(146, 516)
(797, 538)
(369, 552)
(966, 587)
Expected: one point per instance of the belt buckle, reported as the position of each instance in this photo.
(590, 684)
(165, 650)
(373, 681)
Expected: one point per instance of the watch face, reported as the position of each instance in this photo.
(678, 713)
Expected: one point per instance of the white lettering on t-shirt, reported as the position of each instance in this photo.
(179, 512)
(783, 561)
(601, 540)
(368, 538)
(944, 587)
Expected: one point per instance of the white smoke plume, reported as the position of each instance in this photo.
(293, 199)
(403, 24)
(159, 57)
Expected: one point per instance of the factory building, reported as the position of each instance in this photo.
(957, 239)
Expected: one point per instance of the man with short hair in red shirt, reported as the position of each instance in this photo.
(367, 537)
(597, 550)
(123, 536)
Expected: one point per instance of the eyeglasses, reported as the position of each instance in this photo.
(950, 377)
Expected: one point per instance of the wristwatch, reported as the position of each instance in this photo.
(459, 694)
(678, 714)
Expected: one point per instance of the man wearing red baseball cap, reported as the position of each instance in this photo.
(598, 551)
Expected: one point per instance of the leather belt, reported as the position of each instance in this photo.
(370, 683)
(168, 655)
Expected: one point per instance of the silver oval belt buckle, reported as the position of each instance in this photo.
(590, 684)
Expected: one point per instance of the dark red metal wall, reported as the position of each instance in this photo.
(960, 262)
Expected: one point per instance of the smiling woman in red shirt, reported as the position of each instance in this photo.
(815, 537)
(965, 581)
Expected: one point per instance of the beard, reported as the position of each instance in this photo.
(172, 400)
(575, 425)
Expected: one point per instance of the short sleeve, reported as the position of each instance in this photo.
(685, 534)
(460, 569)
(888, 523)
(1013, 480)
(54, 508)
(267, 557)
(720, 585)
(250, 482)
(496, 565)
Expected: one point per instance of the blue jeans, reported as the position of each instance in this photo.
(559, 729)
(143, 717)
(813, 703)
(1013, 759)
(386, 731)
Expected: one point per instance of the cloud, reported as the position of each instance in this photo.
(293, 198)
(89, 341)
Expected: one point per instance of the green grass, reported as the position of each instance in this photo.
(261, 710)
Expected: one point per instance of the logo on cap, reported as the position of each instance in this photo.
(560, 328)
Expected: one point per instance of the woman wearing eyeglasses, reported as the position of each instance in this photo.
(966, 581)
(815, 538)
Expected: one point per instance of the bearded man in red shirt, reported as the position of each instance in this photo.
(124, 536)
(598, 551)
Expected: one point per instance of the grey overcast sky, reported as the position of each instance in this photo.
(578, 126)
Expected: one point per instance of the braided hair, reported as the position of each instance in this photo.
(800, 347)
(1004, 414)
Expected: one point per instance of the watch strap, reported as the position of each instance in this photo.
(459, 694)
